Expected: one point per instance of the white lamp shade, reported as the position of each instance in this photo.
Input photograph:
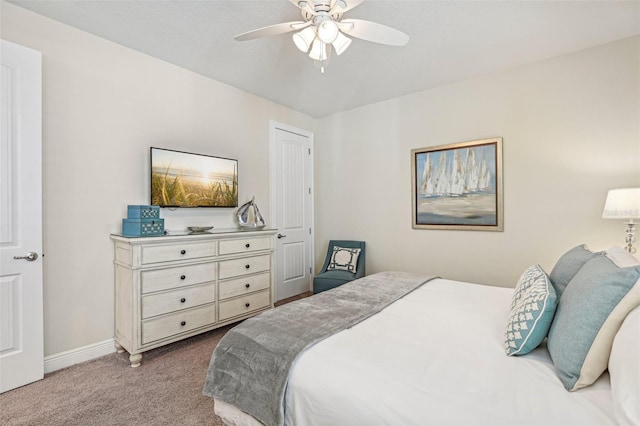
(622, 203)
(304, 38)
(318, 50)
(341, 43)
(328, 31)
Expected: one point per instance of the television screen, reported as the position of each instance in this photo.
(183, 179)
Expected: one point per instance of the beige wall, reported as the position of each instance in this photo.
(103, 106)
(571, 132)
(570, 128)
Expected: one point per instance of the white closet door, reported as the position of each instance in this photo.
(292, 207)
(21, 306)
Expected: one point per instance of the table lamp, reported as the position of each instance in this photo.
(624, 203)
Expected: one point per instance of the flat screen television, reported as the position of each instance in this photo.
(185, 179)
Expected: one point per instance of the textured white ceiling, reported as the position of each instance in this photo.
(450, 41)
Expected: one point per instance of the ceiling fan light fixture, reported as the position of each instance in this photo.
(318, 50)
(304, 38)
(328, 31)
(322, 64)
(341, 43)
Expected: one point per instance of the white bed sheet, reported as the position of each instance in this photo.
(435, 357)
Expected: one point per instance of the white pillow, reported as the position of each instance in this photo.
(624, 370)
(345, 259)
(621, 257)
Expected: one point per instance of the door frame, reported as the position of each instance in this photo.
(273, 125)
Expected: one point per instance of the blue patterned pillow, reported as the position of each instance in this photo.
(590, 312)
(532, 308)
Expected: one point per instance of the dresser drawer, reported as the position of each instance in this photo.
(245, 304)
(240, 286)
(244, 266)
(183, 298)
(179, 276)
(177, 251)
(244, 245)
(179, 322)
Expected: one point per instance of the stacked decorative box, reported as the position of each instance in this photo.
(142, 221)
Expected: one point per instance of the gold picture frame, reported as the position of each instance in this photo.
(458, 186)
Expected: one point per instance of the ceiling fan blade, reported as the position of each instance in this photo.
(374, 32)
(348, 5)
(305, 5)
(272, 30)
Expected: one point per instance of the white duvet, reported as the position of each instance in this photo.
(435, 357)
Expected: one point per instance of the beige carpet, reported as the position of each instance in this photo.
(165, 390)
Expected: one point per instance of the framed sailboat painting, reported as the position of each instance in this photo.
(458, 186)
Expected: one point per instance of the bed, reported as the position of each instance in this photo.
(436, 356)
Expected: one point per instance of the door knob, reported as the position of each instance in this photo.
(31, 256)
(281, 236)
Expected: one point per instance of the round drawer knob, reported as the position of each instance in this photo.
(247, 266)
(183, 277)
(247, 245)
(247, 285)
(183, 300)
(183, 252)
(183, 323)
(247, 304)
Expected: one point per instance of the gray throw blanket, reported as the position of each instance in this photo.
(250, 366)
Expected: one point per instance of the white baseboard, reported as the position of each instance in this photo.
(75, 356)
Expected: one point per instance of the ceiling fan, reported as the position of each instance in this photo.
(323, 27)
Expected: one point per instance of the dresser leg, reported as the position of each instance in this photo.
(119, 347)
(135, 360)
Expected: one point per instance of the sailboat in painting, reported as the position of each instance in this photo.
(457, 172)
(457, 175)
(484, 181)
(427, 177)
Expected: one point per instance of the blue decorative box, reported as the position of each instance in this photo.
(143, 212)
(142, 227)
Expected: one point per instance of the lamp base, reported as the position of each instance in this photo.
(631, 237)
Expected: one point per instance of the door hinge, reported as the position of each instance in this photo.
(310, 270)
(309, 190)
(309, 231)
(309, 151)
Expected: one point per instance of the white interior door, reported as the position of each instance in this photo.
(21, 311)
(292, 208)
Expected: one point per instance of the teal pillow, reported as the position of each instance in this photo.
(568, 265)
(532, 308)
(589, 314)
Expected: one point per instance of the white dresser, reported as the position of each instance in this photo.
(172, 287)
